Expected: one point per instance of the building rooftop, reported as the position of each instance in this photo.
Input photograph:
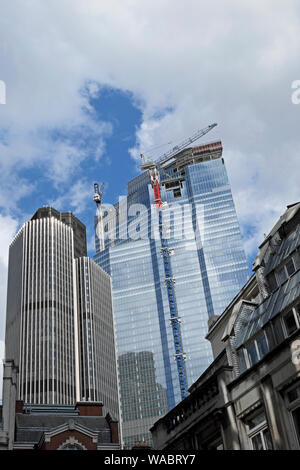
(68, 218)
(33, 421)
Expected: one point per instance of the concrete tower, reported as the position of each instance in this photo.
(59, 322)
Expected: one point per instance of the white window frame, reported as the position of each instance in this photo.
(294, 264)
(259, 429)
(254, 339)
(267, 341)
(297, 321)
(244, 351)
(279, 283)
(261, 433)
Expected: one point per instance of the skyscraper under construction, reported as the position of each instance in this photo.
(160, 335)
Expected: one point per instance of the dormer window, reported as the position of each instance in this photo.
(262, 345)
(272, 282)
(285, 271)
(241, 360)
(282, 275)
(290, 267)
(253, 352)
(291, 322)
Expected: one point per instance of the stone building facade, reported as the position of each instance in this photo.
(249, 397)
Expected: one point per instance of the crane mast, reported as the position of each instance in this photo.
(98, 193)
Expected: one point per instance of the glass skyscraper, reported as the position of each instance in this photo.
(208, 267)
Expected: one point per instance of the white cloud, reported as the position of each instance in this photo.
(8, 228)
(76, 198)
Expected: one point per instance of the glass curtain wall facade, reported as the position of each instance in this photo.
(208, 265)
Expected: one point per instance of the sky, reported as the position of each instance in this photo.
(91, 84)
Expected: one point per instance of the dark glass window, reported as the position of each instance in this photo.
(256, 419)
(262, 345)
(293, 394)
(270, 336)
(267, 439)
(272, 282)
(290, 322)
(296, 418)
(261, 440)
(252, 354)
(278, 330)
(257, 442)
(241, 360)
(281, 275)
(290, 267)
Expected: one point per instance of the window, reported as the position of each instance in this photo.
(292, 399)
(215, 445)
(290, 267)
(281, 275)
(252, 354)
(262, 345)
(241, 360)
(272, 282)
(293, 394)
(286, 271)
(290, 322)
(255, 351)
(278, 330)
(258, 431)
(256, 419)
(296, 419)
(262, 440)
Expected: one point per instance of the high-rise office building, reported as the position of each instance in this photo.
(208, 267)
(96, 342)
(59, 321)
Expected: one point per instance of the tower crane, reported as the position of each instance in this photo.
(155, 169)
(98, 193)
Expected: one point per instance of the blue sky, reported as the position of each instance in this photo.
(91, 84)
(120, 113)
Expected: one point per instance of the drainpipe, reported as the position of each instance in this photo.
(10, 372)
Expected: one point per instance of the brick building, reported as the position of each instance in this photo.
(53, 427)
